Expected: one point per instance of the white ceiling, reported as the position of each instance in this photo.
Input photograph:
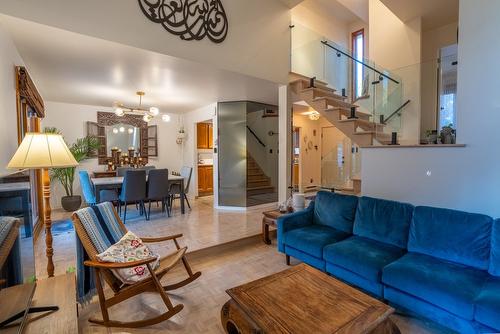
(434, 13)
(291, 3)
(74, 68)
(335, 8)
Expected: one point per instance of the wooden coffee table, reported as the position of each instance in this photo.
(304, 300)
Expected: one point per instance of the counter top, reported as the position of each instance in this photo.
(415, 146)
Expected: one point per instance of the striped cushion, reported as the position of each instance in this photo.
(101, 225)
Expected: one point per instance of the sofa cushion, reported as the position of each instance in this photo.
(452, 287)
(495, 249)
(383, 220)
(451, 235)
(311, 239)
(488, 304)
(335, 210)
(362, 256)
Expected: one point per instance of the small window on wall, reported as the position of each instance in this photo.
(358, 49)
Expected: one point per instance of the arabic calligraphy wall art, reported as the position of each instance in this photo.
(189, 19)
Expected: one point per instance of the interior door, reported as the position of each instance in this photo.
(335, 159)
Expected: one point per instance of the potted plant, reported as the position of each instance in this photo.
(431, 136)
(81, 150)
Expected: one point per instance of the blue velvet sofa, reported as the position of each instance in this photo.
(437, 263)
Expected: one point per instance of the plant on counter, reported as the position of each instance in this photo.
(81, 150)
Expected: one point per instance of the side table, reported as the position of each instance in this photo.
(269, 219)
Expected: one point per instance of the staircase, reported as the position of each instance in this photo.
(258, 183)
(333, 107)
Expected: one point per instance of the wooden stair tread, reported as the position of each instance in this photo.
(304, 77)
(335, 102)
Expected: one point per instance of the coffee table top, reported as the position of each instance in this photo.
(305, 300)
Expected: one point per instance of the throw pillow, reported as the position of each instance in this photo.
(130, 248)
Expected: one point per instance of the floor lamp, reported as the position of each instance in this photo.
(44, 151)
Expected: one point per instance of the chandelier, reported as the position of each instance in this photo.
(148, 114)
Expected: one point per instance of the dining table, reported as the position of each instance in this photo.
(116, 182)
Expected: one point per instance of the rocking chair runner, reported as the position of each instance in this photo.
(123, 292)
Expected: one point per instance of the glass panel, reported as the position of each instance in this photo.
(447, 86)
(262, 153)
(232, 153)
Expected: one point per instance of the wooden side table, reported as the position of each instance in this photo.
(269, 219)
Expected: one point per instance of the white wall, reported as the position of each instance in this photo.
(9, 58)
(71, 120)
(462, 178)
(258, 31)
(396, 46)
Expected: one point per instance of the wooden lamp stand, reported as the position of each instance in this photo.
(47, 210)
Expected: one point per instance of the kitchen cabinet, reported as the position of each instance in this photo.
(205, 135)
(205, 180)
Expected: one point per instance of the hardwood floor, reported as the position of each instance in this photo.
(223, 267)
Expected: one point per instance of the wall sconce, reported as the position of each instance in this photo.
(181, 135)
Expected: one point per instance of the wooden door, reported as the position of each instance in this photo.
(202, 134)
(209, 179)
(201, 179)
(210, 135)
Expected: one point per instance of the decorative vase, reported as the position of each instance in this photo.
(71, 203)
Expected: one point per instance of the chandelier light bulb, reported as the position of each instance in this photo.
(122, 129)
(130, 130)
(147, 118)
(119, 112)
(165, 118)
(115, 131)
(153, 111)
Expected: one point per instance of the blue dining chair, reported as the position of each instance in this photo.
(175, 189)
(133, 192)
(89, 192)
(158, 189)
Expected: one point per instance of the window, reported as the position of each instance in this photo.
(358, 49)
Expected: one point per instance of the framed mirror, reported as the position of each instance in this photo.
(123, 133)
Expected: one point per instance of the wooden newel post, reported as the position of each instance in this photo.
(48, 222)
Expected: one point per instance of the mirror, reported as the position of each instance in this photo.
(17, 263)
(122, 136)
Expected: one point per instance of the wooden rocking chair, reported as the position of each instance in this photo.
(123, 292)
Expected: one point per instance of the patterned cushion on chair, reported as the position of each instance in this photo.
(130, 248)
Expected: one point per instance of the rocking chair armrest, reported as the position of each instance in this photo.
(118, 265)
(161, 239)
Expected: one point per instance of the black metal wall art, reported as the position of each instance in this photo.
(189, 19)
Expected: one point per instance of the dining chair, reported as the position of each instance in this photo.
(121, 171)
(158, 189)
(133, 191)
(148, 169)
(88, 191)
(175, 191)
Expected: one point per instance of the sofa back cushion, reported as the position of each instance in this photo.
(495, 249)
(335, 210)
(383, 220)
(451, 235)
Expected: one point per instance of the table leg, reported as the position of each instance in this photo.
(97, 190)
(265, 232)
(183, 210)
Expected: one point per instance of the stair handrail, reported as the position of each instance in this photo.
(360, 62)
(385, 120)
(256, 137)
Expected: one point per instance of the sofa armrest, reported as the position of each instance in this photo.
(293, 221)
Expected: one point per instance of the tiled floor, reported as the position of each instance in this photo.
(202, 226)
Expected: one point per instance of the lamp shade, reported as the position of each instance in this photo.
(42, 150)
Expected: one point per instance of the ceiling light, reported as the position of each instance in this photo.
(165, 118)
(122, 129)
(119, 112)
(130, 130)
(119, 109)
(314, 116)
(153, 111)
